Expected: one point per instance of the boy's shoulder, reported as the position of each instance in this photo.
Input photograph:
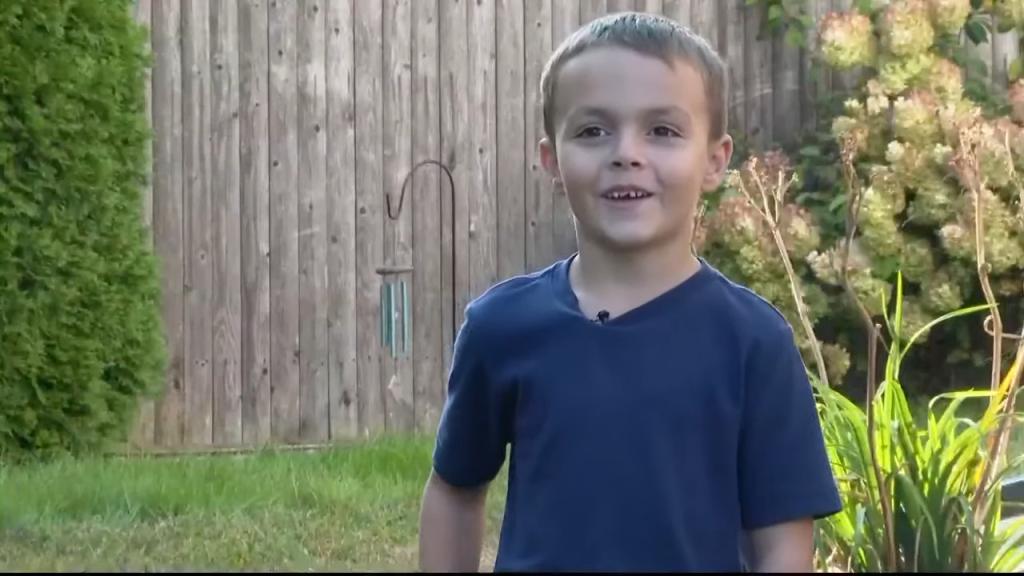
(741, 305)
(513, 299)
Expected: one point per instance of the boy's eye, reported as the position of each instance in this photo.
(591, 132)
(666, 132)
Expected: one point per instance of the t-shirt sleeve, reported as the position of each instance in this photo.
(474, 428)
(784, 470)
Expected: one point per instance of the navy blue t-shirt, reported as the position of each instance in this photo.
(648, 442)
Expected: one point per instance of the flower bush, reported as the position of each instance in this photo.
(902, 126)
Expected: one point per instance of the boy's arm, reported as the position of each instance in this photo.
(472, 436)
(786, 480)
(786, 547)
(451, 527)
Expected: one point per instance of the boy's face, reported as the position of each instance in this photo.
(632, 147)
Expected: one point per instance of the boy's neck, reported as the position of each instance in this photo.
(621, 281)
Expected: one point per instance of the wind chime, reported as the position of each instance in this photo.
(395, 324)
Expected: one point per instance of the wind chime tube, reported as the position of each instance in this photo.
(394, 318)
(405, 320)
(387, 308)
(383, 314)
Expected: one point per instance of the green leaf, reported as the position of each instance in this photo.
(795, 37)
(775, 12)
(976, 31)
(940, 319)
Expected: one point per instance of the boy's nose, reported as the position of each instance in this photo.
(628, 153)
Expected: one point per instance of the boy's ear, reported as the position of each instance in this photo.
(719, 156)
(549, 160)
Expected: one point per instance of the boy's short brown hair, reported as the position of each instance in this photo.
(648, 34)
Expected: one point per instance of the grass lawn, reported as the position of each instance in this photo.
(347, 509)
(351, 508)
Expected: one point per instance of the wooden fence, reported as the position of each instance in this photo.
(280, 126)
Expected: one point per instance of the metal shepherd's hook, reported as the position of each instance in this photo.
(388, 289)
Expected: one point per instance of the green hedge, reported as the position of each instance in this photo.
(80, 330)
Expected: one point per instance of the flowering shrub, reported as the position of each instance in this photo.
(914, 215)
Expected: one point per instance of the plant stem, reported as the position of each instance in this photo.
(774, 197)
(883, 487)
(854, 197)
(801, 311)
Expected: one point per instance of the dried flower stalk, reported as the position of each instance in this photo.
(770, 183)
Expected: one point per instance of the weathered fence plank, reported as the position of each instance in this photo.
(757, 76)
(284, 245)
(539, 198)
(511, 138)
(198, 198)
(312, 221)
(430, 204)
(483, 217)
(225, 258)
(370, 213)
(565, 19)
(254, 210)
(396, 372)
(455, 139)
(678, 10)
(705, 21)
(168, 216)
(341, 220)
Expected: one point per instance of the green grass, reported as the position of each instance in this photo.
(354, 508)
(351, 508)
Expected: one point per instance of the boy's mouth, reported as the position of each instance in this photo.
(625, 193)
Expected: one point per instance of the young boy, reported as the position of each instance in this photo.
(658, 414)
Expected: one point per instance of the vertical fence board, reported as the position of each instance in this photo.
(284, 250)
(592, 9)
(757, 80)
(254, 142)
(430, 190)
(198, 276)
(225, 256)
(539, 198)
(565, 19)
(678, 10)
(704, 19)
(621, 6)
(730, 46)
(396, 371)
(511, 138)
(483, 216)
(312, 221)
(815, 79)
(651, 6)
(785, 89)
(168, 216)
(341, 220)
(370, 213)
(455, 144)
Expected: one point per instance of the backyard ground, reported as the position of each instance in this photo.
(350, 508)
(346, 509)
